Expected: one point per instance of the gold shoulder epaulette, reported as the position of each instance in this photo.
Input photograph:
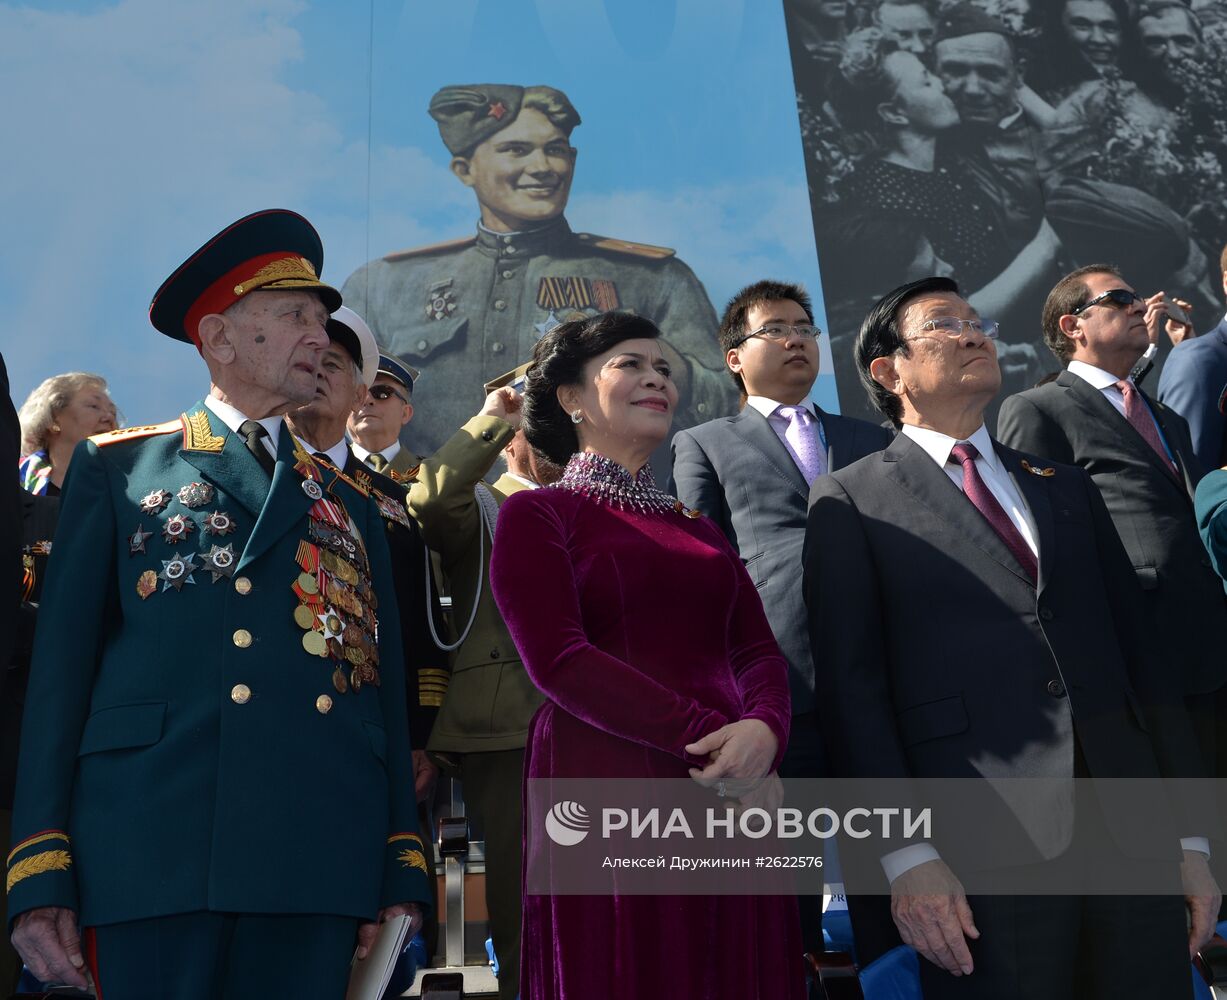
(130, 433)
(627, 247)
(460, 244)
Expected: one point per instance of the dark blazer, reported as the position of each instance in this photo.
(1191, 383)
(426, 673)
(737, 472)
(38, 519)
(1070, 421)
(10, 519)
(940, 658)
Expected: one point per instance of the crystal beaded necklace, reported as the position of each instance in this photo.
(599, 478)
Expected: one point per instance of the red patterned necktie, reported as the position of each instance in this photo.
(982, 497)
(1138, 414)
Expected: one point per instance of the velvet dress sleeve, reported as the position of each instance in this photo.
(533, 580)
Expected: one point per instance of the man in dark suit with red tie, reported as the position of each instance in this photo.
(975, 618)
(1139, 454)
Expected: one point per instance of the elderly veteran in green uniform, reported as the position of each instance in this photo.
(348, 365)
(214, 775)
(483, 724)
(375, 425)
(459, 310)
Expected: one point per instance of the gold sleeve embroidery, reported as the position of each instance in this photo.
(37, 864)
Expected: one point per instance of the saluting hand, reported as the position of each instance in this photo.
(506, 404)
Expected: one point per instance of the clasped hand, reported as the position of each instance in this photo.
(739, 755)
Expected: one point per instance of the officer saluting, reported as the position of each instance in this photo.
(215, 769)
(459, 310)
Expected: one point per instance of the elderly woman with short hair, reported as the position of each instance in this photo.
(642, 628)
(57, 416)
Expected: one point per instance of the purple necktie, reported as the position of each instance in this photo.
(1138, 415)
(982, 497)
(802, 441)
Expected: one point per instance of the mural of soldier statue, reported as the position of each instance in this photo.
(464, 311)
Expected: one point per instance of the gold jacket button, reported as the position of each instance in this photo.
(242, 638)
(323, 704)
(242, 585)
(240, 694)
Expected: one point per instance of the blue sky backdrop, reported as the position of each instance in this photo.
(139, 128)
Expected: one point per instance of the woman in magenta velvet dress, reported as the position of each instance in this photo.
(647, 636)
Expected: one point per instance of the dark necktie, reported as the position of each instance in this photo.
(1139, 416)
(376, 461)
(982, 497)
(253, 433)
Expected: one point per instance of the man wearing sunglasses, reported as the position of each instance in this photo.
(375, 427)
(752, 473)
(1139, 454)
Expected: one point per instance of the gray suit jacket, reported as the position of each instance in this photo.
(737, 472)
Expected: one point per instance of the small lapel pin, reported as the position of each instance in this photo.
(1045, 473)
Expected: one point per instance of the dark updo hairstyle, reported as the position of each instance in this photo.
(558, 360)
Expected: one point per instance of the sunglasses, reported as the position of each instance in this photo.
(1119, 298)
(382, 392)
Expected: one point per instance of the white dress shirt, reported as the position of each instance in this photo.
(234, 419)
(938, 447)
(389, 453)
(767, 407)
(1105, 382)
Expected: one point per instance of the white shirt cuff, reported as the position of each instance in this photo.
(1196, 844)
(906, 858)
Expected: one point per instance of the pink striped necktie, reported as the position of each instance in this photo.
(966, 453)
(1139, 416)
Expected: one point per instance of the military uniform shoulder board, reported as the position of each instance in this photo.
(460, 244)
(627, 247)
(132, 433)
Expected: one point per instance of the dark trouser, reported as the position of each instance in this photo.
(493, 784)
(1071, 948)
(10, 963)
(806, 758)
(222, 956)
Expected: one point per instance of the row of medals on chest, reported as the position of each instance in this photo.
(336, 601)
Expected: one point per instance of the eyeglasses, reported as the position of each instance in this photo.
(952, 327)
(780, 332)
(382, 392)
(1119, 298)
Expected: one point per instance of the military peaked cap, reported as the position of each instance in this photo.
(275, 248)
(401, 373)
(964, 19)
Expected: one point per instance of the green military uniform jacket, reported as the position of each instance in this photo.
(490, 699)
(1210, 504)
(466, 311)
(182, 749)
